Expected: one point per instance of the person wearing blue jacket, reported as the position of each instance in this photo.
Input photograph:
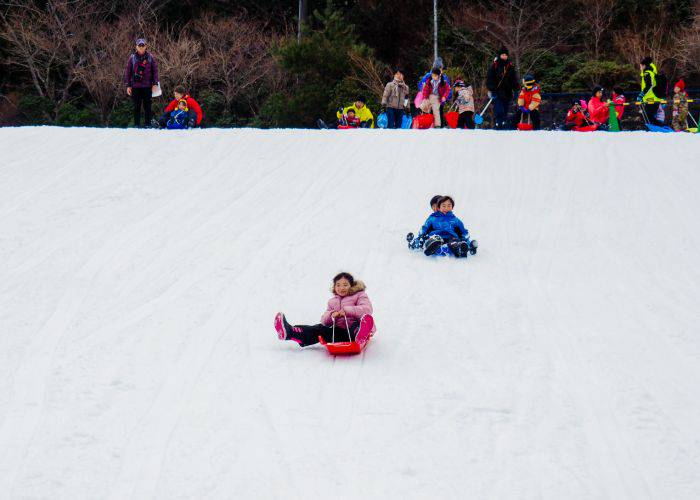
(181, 118)
(444, 227)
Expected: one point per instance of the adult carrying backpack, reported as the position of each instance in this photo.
(660, 89)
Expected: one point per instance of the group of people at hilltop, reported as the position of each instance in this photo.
(435, 91)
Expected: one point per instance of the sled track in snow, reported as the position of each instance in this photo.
(140, 272)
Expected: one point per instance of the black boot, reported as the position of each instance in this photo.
(432, 245)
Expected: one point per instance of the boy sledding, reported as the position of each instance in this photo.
(443, 233)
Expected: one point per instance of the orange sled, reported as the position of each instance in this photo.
(343, 348)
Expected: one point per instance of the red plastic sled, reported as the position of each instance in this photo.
(343, 348)
(424, 121)
(587, 128)
(525, 125)
(452, 117)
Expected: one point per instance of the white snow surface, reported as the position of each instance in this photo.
(140, 272)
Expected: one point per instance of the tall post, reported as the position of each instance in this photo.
(302, 19)
(435, 29)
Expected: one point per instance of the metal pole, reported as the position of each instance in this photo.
(435, 29)
(302, 19)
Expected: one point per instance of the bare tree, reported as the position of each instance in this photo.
(368, 72)
(237, 58)
(521, 26)
(597, 16)
(688, 43)
(47, 39)
(653, 35)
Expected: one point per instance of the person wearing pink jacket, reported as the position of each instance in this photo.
(341, 320)
(435, 92)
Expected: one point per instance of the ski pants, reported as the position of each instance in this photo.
(466, 120)
(453, 244)
(651, 109)
(500, 109)
(394, 117)
(308, 334)
(141, 97)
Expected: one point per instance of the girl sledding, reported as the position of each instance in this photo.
(346, 326)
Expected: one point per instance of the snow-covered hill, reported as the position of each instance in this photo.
(140, 272)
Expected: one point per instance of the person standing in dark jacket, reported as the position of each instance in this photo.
(141, 80)
(502, 83)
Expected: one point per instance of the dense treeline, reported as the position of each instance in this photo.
(63, 60)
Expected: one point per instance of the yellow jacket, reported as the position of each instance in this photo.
(648, 84)
(364, 114)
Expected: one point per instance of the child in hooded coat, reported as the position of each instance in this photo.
(679, 109)
(341, 320)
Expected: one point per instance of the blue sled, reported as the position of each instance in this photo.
(656, 128)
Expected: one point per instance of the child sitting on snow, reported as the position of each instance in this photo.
(443, 227)
(181, 118)
(576, 117)
(350, 119)
(417, 243)
(679, 109)
(342, 321)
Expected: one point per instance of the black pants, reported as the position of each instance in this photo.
(141, 97)
(394, 117)
(651, 110)
(454, 244)
(308, 334)
(466, 120)
(500, 109)
(534, 119)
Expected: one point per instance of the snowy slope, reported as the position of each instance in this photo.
(140, 272)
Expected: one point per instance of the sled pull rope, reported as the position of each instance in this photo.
(333, 336)
(348, 327)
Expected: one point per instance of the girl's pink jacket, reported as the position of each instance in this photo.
(355, 304)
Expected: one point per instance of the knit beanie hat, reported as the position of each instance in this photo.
(680, 84)
(647, 61)
(503, 50)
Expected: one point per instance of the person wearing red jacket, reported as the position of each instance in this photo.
(435, 92)
(529, 100)
(619, 99)
(597, 108)
(576, 117)
(181, 94)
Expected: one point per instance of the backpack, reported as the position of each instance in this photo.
(661, 87)
(138, 69)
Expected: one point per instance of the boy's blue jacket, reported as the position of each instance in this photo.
(178, 119)
(445, 225)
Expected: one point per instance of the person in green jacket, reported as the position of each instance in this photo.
(362, 112)
(650, 100)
